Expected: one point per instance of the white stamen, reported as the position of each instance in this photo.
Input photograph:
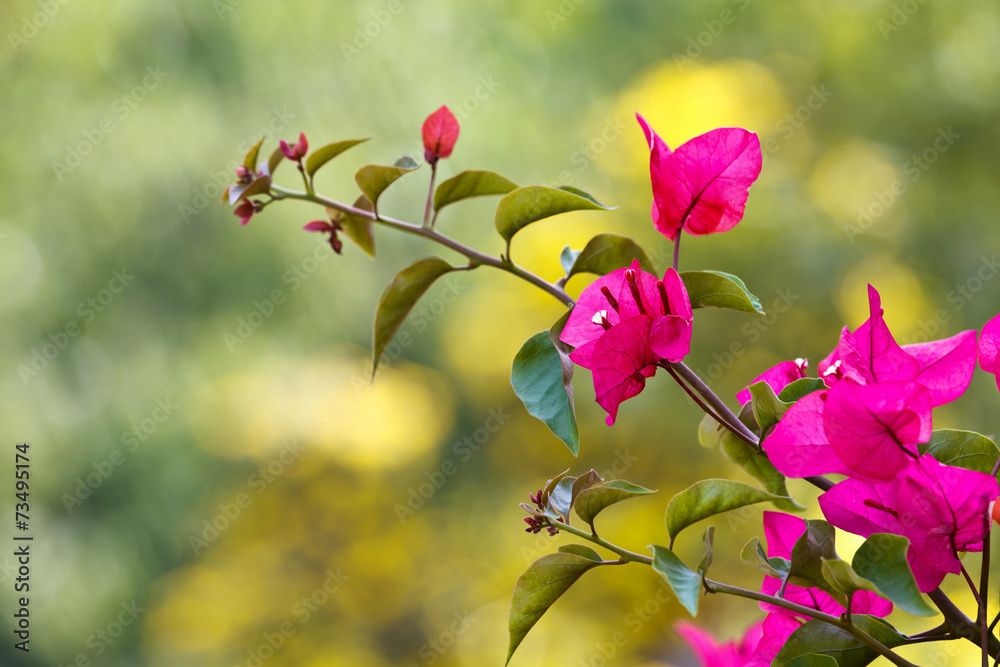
(834, 369)
(599, 317)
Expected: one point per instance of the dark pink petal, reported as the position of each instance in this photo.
(813, 598)
(945, 366)
(317, 226)
(677, 295)
(670, 337)
(866, 602)
(710, 653)
(776, 630)
(287, 150)
(777, 378)
(619, 361)
(302, 147)
(989, 348)
(875, 428)
(862, 508)
(702, 187)
(798, 446)
(746, 648)
(944, 509)
(244, 211)
(440, 132)
(871, 354)
(649, 301)
(781, 532)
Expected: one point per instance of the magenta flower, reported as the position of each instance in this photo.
(941, 509)
(777, 378)
(870, 354)
(440, 132)
(623, 325)
(296, 152)
(782, 531)
(702, 187)
(712, 653)
(989, 348)
(330, 228)
(868, 432)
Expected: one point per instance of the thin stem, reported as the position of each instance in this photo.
(871, 642)
(963, 625)
(474, 256)
(982, 612)
(430, 196)
(677, 251)
(984, 587)
(624, 553)
(711, 413)
(717, 403)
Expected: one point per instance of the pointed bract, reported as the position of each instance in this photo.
(440, 132)
(777, 378)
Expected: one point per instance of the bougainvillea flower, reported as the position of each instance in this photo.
(871, 354)
(623, 325)
(868, 432)
(440, 132)
(330, 228)
(782, 531)
(702, 186)
(712, 653)
(296, 152)
(989, 348)
(941, 509)
(777, 378)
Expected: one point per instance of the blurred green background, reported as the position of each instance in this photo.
(201, 501)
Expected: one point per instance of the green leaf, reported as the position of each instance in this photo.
(529, 204)
(824, 639)
(606, 252)
(591, 501)
(373, 179)
(817, 543)
(471, 184)
(800, 388)
(685, 582)
(707, 498)
(715, 289)
(580, 550)
(542, 583)
(567, 257)
(322, 155)
(753, 555)
(250, 159)
(400, 296)
(561, 497)
(962, 449)
(767, 408)
(844, 579)
(747, 457)
(882, 561)
(360, 230)
(706, 561)
(550, 485)
(542, 378)
(274, 160)
(258, 186)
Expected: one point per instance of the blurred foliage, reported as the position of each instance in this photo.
(848, 99)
